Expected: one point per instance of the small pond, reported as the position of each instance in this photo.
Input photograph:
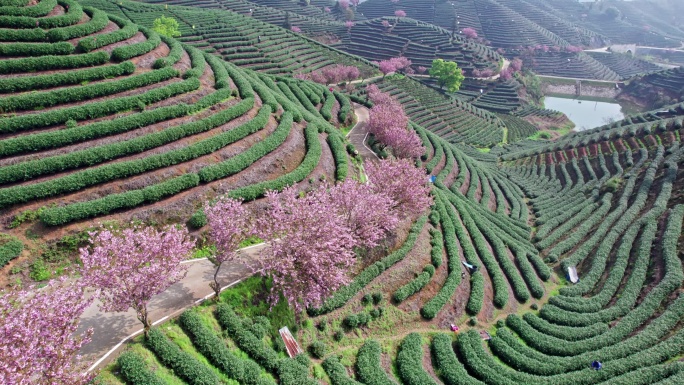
(585, 114)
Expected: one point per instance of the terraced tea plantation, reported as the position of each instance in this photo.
(606, 201)
(101, 115)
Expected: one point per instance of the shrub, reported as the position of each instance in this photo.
(45, 63)
(366, 299)
(10, 248)
(323, 324)
(338, 335)
(377, 297)
(368, 365)
(183, 364)
(98, 21)
(137, 49)
(126, 31)
(317, 349)
(134, 370)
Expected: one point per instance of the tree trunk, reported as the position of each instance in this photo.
(215, 285)
(143, 317)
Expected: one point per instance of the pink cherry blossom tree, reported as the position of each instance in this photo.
(295, 29)
(368, 214)
(400, 62)
(349, 24)
(310, 249)
(516, 64)
(131, 266)
(327, 9)
(386, 67)
(388, 122)
(470, 33)
(399, 13)
(344, 4)
(421, 70)
(404, 183)
(38, 343)
(386, 24)
(506, 74)
(229, 225)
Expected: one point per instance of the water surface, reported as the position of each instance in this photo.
(585, 114)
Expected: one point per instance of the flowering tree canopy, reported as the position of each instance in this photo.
(400, 62)
(507, 74)
(130, 267)
(38, 344)
(349, 24)
(344, 4)
(421, 69)
(313, 237)
(327, 9)
(516, 64)
(386, 24)
(386, 67)
(388, 122)
(333, 74)
(295, 29)
(229, 224)
(405, 184)
(470, 33)
(400, 13)
(313, 249)
(366, 212)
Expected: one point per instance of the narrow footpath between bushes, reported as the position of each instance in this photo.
(112, 330)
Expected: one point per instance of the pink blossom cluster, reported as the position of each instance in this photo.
(394, 64)
(470, 33)
(130, 266)
(332, 75)
(39, 344)
(399, 13)
(485, 73)
(388, 122)
(516, 64)
(295, 29)
(386, 24)
(349, 24)
(344, 4)
(404, 183)
(313, 238)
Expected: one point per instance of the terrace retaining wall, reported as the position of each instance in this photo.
(607, 91)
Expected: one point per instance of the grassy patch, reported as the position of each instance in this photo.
(249, 298)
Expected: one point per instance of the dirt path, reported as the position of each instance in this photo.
(112, 330)
(357, 135)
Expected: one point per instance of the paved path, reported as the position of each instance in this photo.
(110, 329)
(358, 133)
